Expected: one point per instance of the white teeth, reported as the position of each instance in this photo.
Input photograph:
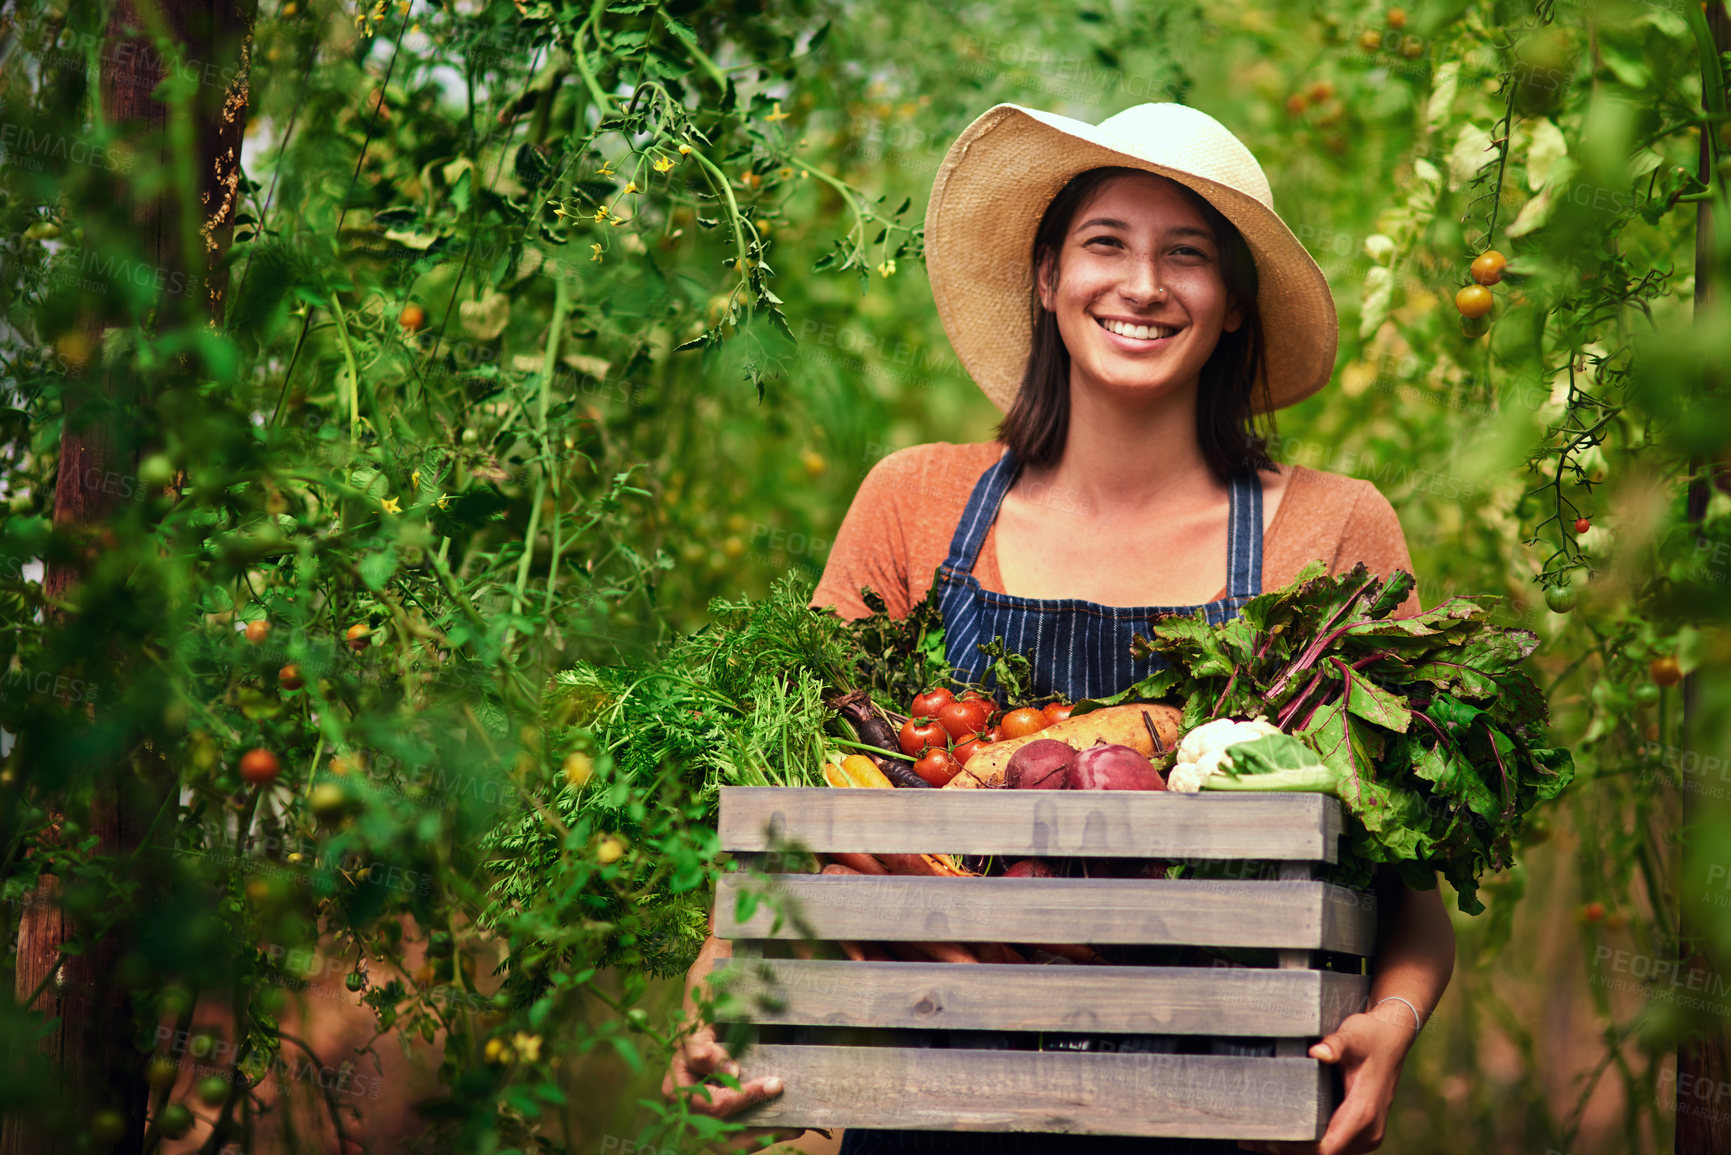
(1140, 332)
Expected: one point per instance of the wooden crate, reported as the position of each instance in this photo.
(1287, 1096)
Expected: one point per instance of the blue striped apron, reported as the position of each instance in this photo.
(1079, 649)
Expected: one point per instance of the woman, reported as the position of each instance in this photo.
(1167, 305)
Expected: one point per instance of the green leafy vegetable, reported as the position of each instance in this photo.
(1426, 728)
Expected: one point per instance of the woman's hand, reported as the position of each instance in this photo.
(698, 1056)
(1371, 1051)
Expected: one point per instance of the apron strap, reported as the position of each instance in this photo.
(981, 511)
(1244, 537)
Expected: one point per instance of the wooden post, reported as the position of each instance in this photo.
(94, 1041)
(1702, 1057)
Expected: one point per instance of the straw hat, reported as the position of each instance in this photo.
(1002, 172)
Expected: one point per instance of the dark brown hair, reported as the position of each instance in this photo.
(1037, 422)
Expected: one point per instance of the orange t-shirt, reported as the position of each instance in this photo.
(898, 529)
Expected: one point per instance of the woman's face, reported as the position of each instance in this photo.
(1137, 236)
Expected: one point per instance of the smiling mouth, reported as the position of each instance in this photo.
(1149, 333)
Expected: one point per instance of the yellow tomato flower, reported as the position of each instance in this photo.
(528, 1046)
(444, 502)
(630, 186)
(596, 249)
(605, 169)
(390, 505)
(887, 269)
(684, 150)
(778, 114)
(600, 213)
(663, 164)
(415, 479)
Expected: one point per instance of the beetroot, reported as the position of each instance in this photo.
(1039, 765)
(1106, 767)
(1030, 868)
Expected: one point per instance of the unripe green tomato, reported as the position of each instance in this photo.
(108, 1127)
(355, 981)
(201, 1046)
(213, 1091)
(174, 1120)
(1475, 326)
(637, 1019)
(1644, 693)
(1562, 598)
(160, 1073)
(155, 471)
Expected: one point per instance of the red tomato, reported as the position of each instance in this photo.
(919, 733)
(259, 766)
(990, 734)
(1021, 723)
(1582, 525)
(928, 704)
(937, 767)
(1057, 711)
(959, 718)
(966, 747)
(981, 711)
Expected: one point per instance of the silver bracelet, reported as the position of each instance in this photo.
(1417, 1023)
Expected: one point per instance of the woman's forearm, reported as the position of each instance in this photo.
(713, 948)
(1415, 950)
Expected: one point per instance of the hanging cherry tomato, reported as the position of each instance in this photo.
(919, 733)
(928, 704)
(1582, 525)
(1474, 301)
(1665, 670)
(1488, 267)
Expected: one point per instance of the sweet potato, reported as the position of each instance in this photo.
(858, 863)
(1107, 767)
(1116, 725)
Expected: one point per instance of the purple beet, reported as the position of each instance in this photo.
(1039, 765)
(1107, 767)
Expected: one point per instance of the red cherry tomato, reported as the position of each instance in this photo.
(981, 711)
(937, 767)
(919, 733)
(1021, 723)
(928, 704)
(1057, 711)
(966, 747)
(959, 718)
(1582, 525)
(991, 734)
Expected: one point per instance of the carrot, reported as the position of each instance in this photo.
(997, 952)
(930, 865)
(1135, 726)
(853, 950)
(835, 775)
(862, 771)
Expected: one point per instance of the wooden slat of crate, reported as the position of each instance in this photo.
(1081, 999)
(1154, 912)
(1120, 823)
(1077, 1092)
